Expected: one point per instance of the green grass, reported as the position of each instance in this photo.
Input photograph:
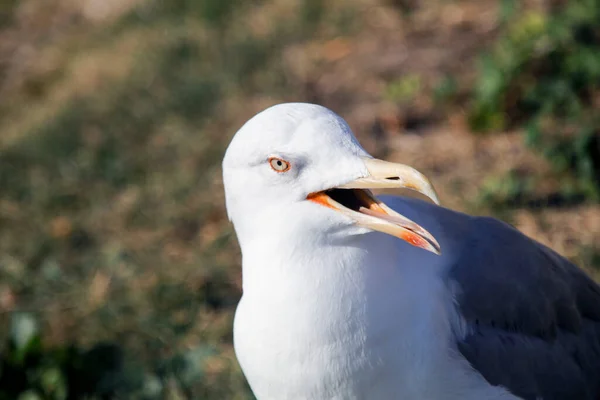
(543, 75)
(111, 201)
(118, 268)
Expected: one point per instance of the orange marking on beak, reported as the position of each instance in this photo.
(369, 201)
(320, 198)
(414, 239)
(376, 207)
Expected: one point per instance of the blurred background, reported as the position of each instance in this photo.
(119, 272)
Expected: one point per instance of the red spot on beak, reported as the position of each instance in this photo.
(414, 239)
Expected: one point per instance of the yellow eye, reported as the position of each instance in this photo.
(279, 165)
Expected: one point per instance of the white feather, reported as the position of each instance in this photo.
(329, 310)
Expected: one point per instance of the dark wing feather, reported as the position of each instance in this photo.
(534, 317)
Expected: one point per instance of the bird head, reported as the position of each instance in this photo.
(300, 164)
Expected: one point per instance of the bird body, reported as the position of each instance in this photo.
(330, 326)
(335, 306)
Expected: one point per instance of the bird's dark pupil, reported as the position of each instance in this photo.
(279, 163)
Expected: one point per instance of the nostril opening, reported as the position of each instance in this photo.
(393, 178)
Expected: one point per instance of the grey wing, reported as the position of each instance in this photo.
(533, 317)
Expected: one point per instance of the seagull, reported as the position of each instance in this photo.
(349, 296)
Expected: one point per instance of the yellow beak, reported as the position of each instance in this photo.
(356, 201)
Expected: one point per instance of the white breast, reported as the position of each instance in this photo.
(330, 326)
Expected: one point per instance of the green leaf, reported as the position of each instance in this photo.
(53, 383)
(30, 395)
(24, 331)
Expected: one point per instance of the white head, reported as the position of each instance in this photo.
(301, 163)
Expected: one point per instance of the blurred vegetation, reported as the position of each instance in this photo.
(403, 90)
(111, 209)
(118, 273)
(31, 371)
(543, 74)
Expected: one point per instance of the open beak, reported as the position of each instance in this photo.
(357, 202)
